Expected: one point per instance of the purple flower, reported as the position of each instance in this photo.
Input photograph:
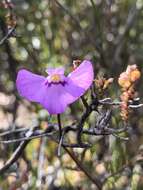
(56, 91)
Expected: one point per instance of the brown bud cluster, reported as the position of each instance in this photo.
(103, 83)
(128, 77)
(127, 81)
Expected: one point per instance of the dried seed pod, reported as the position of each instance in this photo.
(127, 81)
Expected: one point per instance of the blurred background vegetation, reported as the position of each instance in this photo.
(54, 33)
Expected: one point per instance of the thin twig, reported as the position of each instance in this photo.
(94, 179)
(52, 131)
(14, 131)
(40, 170)
(61, 135)
(60, 126)
(43, 134)
(114, 173)
(121, 138)
(60, 144)
(17, 153)
(81, 123)
(136, 106)
(109, 101)
(84, 102)
(9, 33)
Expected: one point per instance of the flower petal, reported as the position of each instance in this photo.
(30, 86)
(56, 99)
(83, 75)
(52, 71)
(73, 90)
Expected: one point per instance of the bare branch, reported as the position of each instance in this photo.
(53, 130)
(109, 101)
(17, 153)
(94, 179)
(9, 34)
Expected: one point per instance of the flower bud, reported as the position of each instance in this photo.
(135, 75)
(124, 80)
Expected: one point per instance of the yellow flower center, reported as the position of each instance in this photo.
(56, 78)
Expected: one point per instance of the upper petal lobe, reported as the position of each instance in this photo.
(83, 75)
